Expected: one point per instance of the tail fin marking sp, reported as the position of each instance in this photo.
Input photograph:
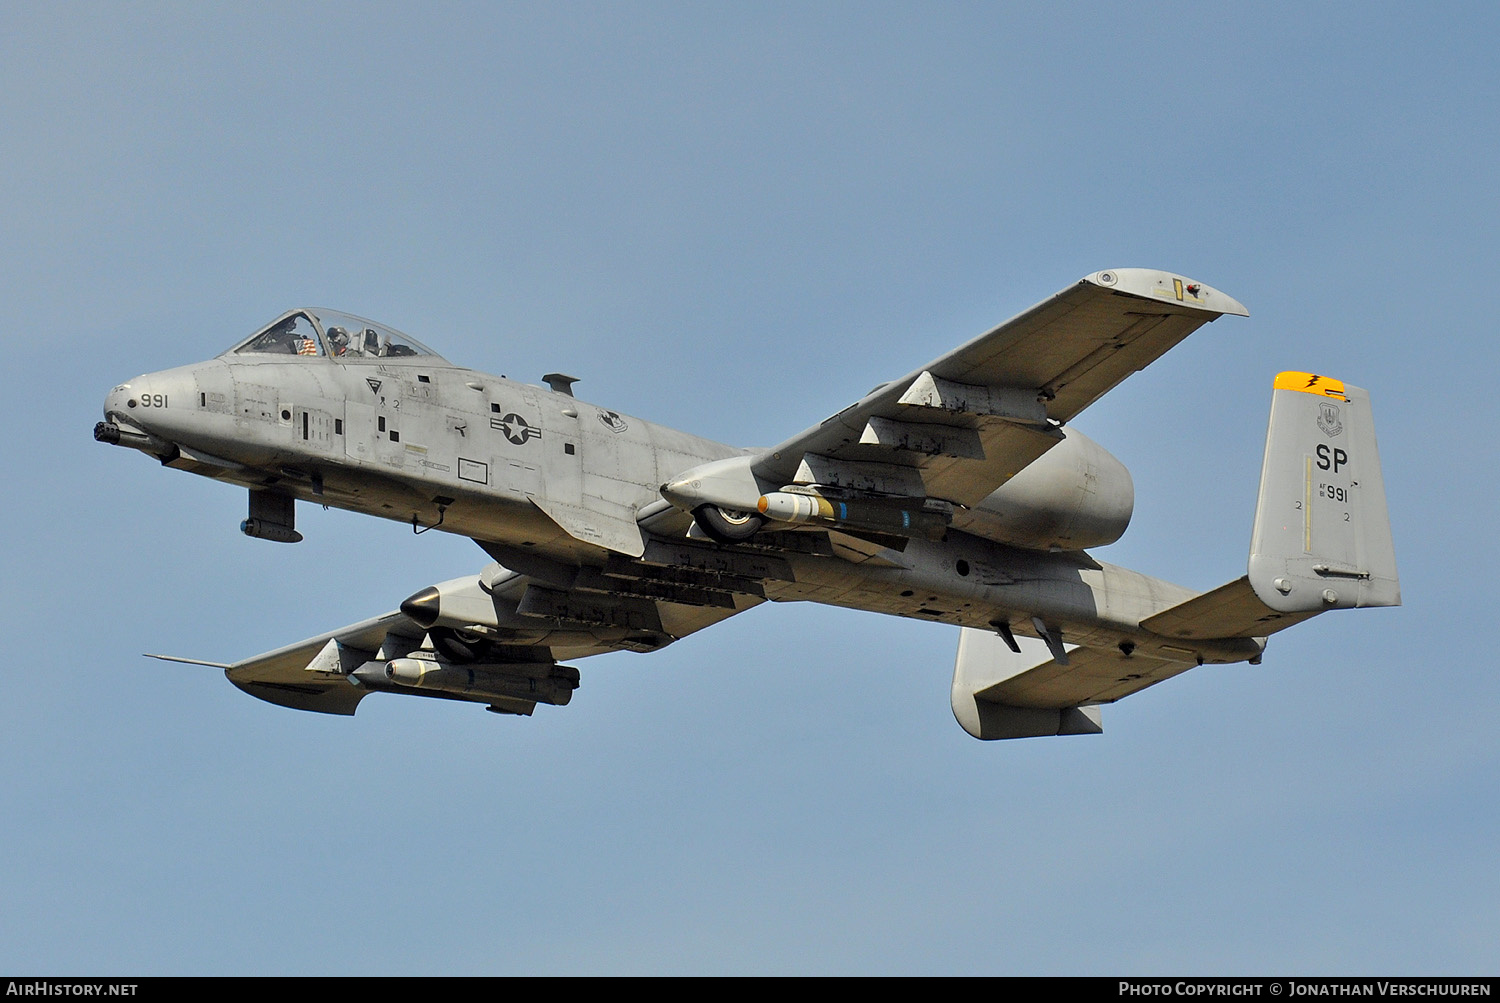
(1322, 536)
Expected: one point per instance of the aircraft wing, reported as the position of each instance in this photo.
(314, 674)
(498, 637)
(311, 675)
(965, 423)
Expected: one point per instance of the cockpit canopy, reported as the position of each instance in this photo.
(330, 334)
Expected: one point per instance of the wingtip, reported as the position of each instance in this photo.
(1150, 283)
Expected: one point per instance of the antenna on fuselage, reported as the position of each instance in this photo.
(561, 383)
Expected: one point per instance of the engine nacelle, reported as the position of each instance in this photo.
(1074, 496)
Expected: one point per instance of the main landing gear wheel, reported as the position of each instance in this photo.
(728, 525)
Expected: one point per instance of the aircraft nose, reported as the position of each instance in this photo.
(114, 402)
(122, 424)
(154, 408)
(163, 403)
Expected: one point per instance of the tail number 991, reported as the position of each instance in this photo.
(1334, 492)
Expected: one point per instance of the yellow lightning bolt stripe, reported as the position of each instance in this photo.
(1311, 383)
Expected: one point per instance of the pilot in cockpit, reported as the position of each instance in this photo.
(343, 337)
(292, 336)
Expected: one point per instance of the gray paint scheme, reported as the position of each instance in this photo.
(956, 494)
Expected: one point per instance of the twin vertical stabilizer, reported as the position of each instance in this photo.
(1322, 540)
(1322, 535)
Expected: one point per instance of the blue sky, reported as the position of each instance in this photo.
(736, 219)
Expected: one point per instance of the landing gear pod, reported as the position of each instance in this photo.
(728, 525)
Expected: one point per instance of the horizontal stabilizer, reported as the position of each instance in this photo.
(1232, 610)
(991, 698)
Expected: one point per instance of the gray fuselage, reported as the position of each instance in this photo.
(424, 442)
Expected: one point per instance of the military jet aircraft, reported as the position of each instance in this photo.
(957, 494)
